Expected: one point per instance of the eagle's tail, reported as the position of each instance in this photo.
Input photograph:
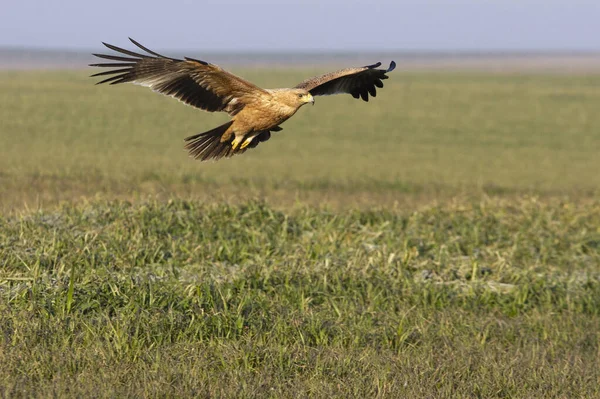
(208, 145)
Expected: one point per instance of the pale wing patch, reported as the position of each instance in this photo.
(359, 82)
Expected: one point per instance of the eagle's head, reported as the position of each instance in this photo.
(298, 97)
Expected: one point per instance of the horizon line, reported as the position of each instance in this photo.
(340, 51)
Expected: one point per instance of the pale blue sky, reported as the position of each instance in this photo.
(308, 25)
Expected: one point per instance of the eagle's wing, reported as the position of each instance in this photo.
(194, 82)
(360, 82)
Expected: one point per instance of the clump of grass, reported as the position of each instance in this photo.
(181, 298)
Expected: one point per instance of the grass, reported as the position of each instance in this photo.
(425, 134)
(183, 299)
(441, 241)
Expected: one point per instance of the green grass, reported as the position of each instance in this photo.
(442, 240)
(181, 299)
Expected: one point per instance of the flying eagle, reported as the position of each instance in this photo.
(255, 112)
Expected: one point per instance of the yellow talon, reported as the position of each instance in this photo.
(235, 143)
(246, 142)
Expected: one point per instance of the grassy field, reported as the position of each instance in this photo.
(440, 241)
(430, 135)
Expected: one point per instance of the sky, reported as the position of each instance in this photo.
(310, 25)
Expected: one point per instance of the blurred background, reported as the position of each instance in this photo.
(424, 33)
(495, 97)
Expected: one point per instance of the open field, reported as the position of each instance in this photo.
(442, 240)
(427, 134)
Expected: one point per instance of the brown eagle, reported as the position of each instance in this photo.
(255, 112)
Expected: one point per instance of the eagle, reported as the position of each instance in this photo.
(255, 112)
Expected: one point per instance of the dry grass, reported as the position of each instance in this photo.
(429, 135)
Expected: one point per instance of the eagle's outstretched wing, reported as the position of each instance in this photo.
(360, 82)
(194, 82)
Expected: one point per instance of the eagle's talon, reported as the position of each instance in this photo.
(235, 143)
(246, 143)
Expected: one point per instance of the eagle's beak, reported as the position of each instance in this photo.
(311, 99)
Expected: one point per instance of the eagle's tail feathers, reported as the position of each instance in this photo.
(208, 145)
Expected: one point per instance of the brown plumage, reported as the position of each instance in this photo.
(255, 112)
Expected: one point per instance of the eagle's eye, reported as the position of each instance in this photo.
(300, 95)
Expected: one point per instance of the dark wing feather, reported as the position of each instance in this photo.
(194, 82)
(359, 82)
